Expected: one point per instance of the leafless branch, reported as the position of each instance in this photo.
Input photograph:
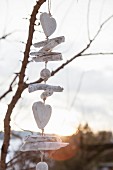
(101, 26)
(99, 53)
(18, 155)
(88, 15)
(10, 88)
(6, 35)
(78, 90)
(23, 129)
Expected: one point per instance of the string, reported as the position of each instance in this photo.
(49, 6)
(42, 132)
(42, 156)
(45, 68)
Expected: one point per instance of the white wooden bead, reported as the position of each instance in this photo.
(46, 94)
(45, 74)
(42, 166)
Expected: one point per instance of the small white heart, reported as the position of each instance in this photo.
(48, 24)
(42, 114)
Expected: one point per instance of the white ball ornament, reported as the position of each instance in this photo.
(45, 74)
(46, 94)
(42, 166)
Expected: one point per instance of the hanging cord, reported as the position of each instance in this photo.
(42, 156)
(45, 68)
(46, 64)
(45, 80)
(49, 6)
(42, 132)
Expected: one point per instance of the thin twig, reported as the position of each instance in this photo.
(23, 129)
(78, 90)
(101, 26)
(88, 16)
(6, 35)
(10, 88)
(15, 158)
(99, 53)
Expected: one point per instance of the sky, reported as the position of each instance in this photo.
(87, 81)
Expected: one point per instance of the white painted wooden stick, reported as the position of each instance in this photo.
(31, 146)
(34, 87)
(52, 56)
(59, 40)
(43, 53)
(38, 138)
(50, 45)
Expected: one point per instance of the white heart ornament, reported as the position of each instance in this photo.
(42, 114)
(48, 24)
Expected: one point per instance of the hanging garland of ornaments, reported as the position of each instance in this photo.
(42, 111)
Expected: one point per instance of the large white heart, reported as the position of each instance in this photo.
(42, 114)
(48, 24)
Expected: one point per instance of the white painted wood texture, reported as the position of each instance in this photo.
(41, 146)
(42, 166)
(51, 56)
(50, 42)
(40, 138)
(37, 86)
(45, 54)
(42, 114)
(48, 24)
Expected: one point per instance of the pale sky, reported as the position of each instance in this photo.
(87, 81)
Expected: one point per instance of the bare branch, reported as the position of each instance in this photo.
(6, 35)
(78, 90)
(18, 155)
(101, 26)
(88, 15)
(10, 88)
(23, 129)
(99, 53)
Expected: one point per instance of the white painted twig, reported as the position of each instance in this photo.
(57, 40)
(52, 56)
(34, 87)
(31, 146)
(38, 138)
